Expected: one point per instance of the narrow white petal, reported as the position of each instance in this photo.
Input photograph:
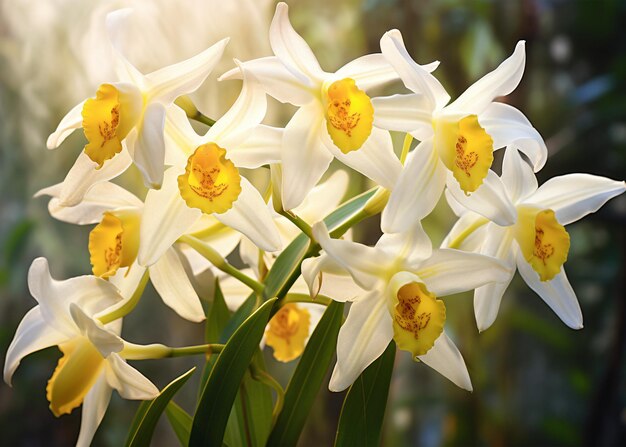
(126, 280)
(463, 224)
(375, 159)
(85, 173)
(70, 122)
(168, 83)
(212, 232)
(500, 82)
(291, 48)
(324, 198)
(405, 113)
(458, 209)
(517, 175)
(94, 406)
(129, 382)
(325, 276)
(32, 335)
(508, 126)
(445, 358)
(101, 197)
(104, 340)
(450, 271)
(411, 246)
(250, 216)
(261, 147)
(304, 155)
(417, 191)
(362, 339)
(276, 79)
(557, 293)
(170, 280)
(116, 24)
(147, 148)
(573, 196)
(416, 77)
(490, 200)
(364, 263)
(166, 217)
(181, 140)
(369, 71)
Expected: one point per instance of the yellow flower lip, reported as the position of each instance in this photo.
(287, 332)
(544, 242)
(211, 182)
(349, 115)
(114, 243)
(418, 318)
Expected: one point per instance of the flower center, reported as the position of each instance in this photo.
(114, 243)
(543, 240)
(418, 319)
(75, 374)
(211, 182)
(350, 115)
(287, 331)
(466, 149)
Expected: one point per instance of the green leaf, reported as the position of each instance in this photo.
(242, 312)
(149, 412)
(363, 411)
(307, 378)
(221, 389)
(180, 422)
(218, 316)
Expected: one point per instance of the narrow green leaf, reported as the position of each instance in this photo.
(149, 413)
(363, 411)
(218, 316)
(307, 378)
(240, 315)
(221, 389)
(180, 422)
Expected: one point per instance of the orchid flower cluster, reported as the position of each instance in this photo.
(199, 207)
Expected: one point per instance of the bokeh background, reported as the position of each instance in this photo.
(536, 382)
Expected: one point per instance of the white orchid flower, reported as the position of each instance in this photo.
(457, 140)
(125, 122)
(535, 239)
(335, 115)
(401, 278)
(205, 178)
(91, 366)
(114, 243)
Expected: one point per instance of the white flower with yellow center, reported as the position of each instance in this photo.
(335, 115)
(91, 366)
(401, 278)
(114, 243)
(457, 140)
(529, 232)
(125, 121)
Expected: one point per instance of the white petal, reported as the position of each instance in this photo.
(497, 243)
(365, 264)
(517, 175)
(500, 82)
(106, 342)
(405, 113)
(32, 334)
(235, 292)
(129, 382)
(116, 24)
(170, 280)
(147, 147)
(304, 155)
(126, 280)
(181, 140)
(557, 293)
(168, 83)
(573, 196)
(445, 358)
(250, 216)
(166, 217)
(291, 48)
(277, 80)
(94, 406)
(212, 232)
(411, 246)
(100, 198)
(415, 77)
(327, 277)
(375, 159)
(362, 339)
(508, 126)
(466, 221)
(450, 271)
(85, 173)
(369, 71)
(262, 147)
(458, 209)
(70, 122)
(324, 198)
(490, 199)
(417, 191)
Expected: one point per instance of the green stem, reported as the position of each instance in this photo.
(132, 351)
(125, 307)
(218, 261)
(408, 139)
(263, 377)
(304, 298)
(456, 243)
(192, 112)
(299, 222)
